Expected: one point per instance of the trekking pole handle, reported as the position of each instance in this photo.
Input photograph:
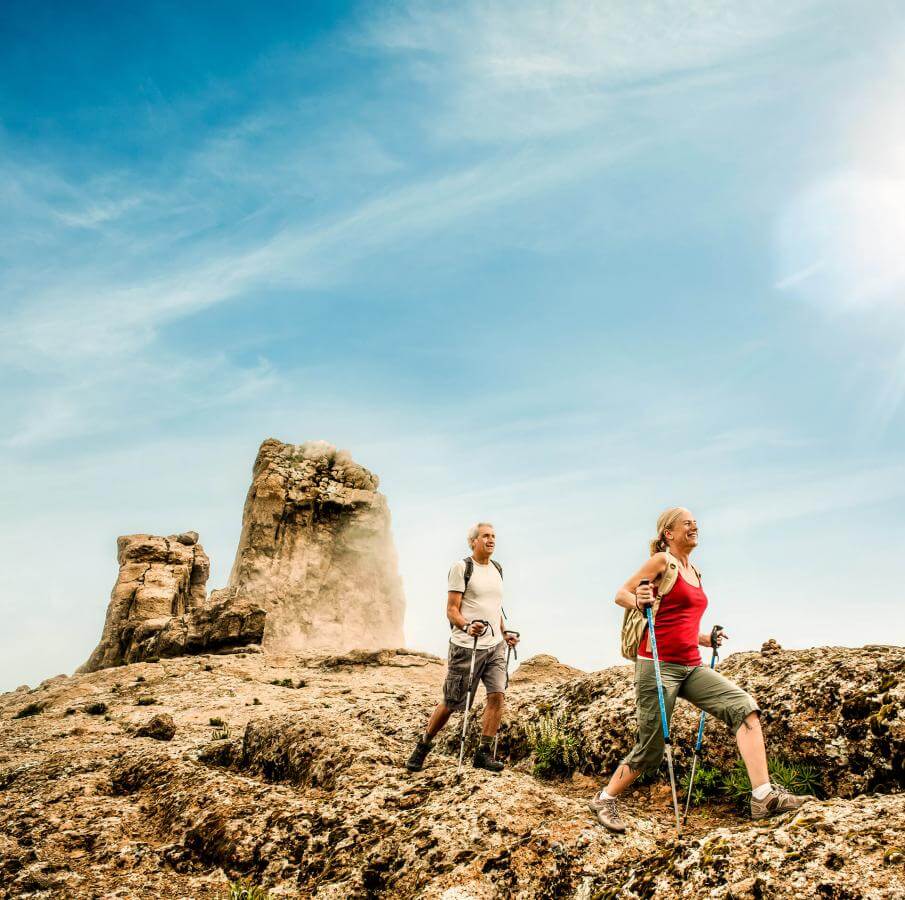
(714, 637)
(483, 622)
(517, 634)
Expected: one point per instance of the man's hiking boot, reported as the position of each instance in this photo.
(484, 760)
(777, 802)
(607, 813)
(416, 760)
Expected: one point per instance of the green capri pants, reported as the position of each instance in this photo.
(700, 685)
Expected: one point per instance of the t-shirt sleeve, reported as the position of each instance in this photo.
(456, 578)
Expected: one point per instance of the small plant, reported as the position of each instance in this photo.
(140, 679)
(145, 701)
(98, 708)
(153, 659)
(216, 721)
(69, 711)
(31, 710)
(283, 682)
(255, 702)
(555, 750)
(220, 734)
(708, 782)
(245, 890)
(208, 667)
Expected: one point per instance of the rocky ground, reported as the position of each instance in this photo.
(286, 771)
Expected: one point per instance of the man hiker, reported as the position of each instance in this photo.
(475, 597)
(669, 584)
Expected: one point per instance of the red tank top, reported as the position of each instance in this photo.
(678, 624)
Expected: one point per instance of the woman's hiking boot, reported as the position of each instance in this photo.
(483, 759)
(607, 812)
(777, 802)
(416, 760)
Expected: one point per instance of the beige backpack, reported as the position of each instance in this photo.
(634, 621)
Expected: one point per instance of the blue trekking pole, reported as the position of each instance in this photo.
(663, 719)
(714, 642)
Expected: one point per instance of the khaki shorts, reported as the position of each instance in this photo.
(700, 685)
(489, 667)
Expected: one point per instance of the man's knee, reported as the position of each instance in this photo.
(495, 699)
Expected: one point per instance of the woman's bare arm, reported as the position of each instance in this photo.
(651, 570)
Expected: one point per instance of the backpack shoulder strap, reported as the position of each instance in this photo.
(670, 574)
(498, 567)
(469, 568)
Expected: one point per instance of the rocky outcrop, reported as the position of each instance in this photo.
(288, 774)
(317, 553)
(158, 605)
(836, 710)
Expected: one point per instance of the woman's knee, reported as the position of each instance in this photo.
(748, 722)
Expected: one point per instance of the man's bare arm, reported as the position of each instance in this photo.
(454, 609)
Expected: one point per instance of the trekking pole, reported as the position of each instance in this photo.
(474, 651)
(509, 650)
(663, 721)
(714, 639)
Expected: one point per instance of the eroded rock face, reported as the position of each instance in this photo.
(317, 553)
(158, 605)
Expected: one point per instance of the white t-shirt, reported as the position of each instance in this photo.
(482, 600)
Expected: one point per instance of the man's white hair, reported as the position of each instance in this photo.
(475, 530)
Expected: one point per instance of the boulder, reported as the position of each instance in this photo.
(158, 606)
(161, 727)
(316, 552)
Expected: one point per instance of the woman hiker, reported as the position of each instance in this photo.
(677, 625)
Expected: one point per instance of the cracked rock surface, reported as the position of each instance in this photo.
(286, 769)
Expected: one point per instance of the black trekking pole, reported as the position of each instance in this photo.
(714, 643)
(664, 722)
(474, 651)
(509, 651)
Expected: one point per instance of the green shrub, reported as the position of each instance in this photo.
(555, 749)
(255, 702)
(245, 890)
(208, 667)
(799, 778)
(220, 734)
(31, 710)
(216, 721)
(145, 701)
(708, 782)
(98, 708)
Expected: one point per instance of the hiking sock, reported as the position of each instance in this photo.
(426, 740)
(603, 795)
(762, 790)
(486, 742)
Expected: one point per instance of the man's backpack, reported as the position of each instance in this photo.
(634, 621)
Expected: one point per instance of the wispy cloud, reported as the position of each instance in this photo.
(532, 68)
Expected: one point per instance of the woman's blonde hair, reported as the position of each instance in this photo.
(665, 521)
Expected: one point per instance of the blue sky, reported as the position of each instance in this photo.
(559, 265)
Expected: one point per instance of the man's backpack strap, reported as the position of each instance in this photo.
(469, 569)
